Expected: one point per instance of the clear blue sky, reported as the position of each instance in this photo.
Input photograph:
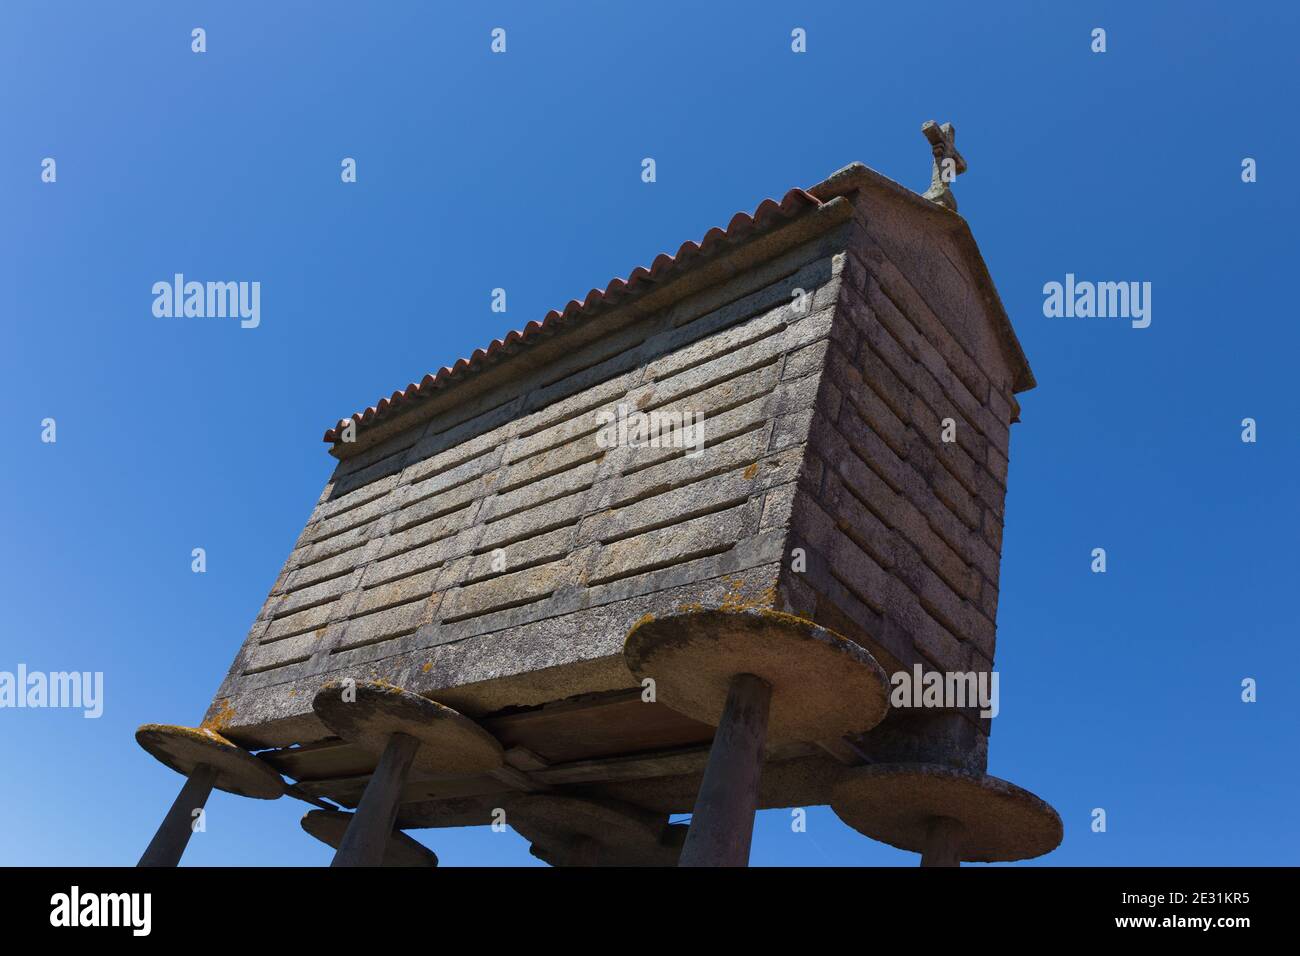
(1119, 691)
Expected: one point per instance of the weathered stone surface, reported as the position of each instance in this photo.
(821, 685)
(575, 831)
(298, 623)
(895, 803)
(292, 650)
(412, 528)
(185, 748)
(691, 539)
(329, 826)
(369, 713)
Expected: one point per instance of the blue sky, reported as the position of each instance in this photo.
(522, 170)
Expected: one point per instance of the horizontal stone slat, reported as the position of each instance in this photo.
(680, 542)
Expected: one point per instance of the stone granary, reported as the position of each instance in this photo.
(660, 553)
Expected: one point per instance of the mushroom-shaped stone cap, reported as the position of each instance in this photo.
(823, 685)
(184, 748)
(896, 803)
(625, 835)
(369, 713)
(667, 852)
(328, 826)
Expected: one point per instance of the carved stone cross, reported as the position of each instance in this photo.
(948, 163)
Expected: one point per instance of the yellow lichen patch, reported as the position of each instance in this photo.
(751, 471)
(732, 602)
(645, 619)
(224, 715)
(428, 666)
(799, 621)
(735, 600)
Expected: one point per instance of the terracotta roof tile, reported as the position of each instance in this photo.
(768, 214)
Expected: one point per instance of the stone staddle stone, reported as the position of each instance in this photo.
(626, 835)
(328, 826)
(895, 803)
(823, 685)
(665, 854)
(450, 743)
(184, 748)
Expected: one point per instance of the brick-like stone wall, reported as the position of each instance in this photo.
(903, 531)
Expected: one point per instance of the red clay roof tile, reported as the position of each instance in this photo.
(768, 214)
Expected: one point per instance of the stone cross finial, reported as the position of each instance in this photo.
(948, 163)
